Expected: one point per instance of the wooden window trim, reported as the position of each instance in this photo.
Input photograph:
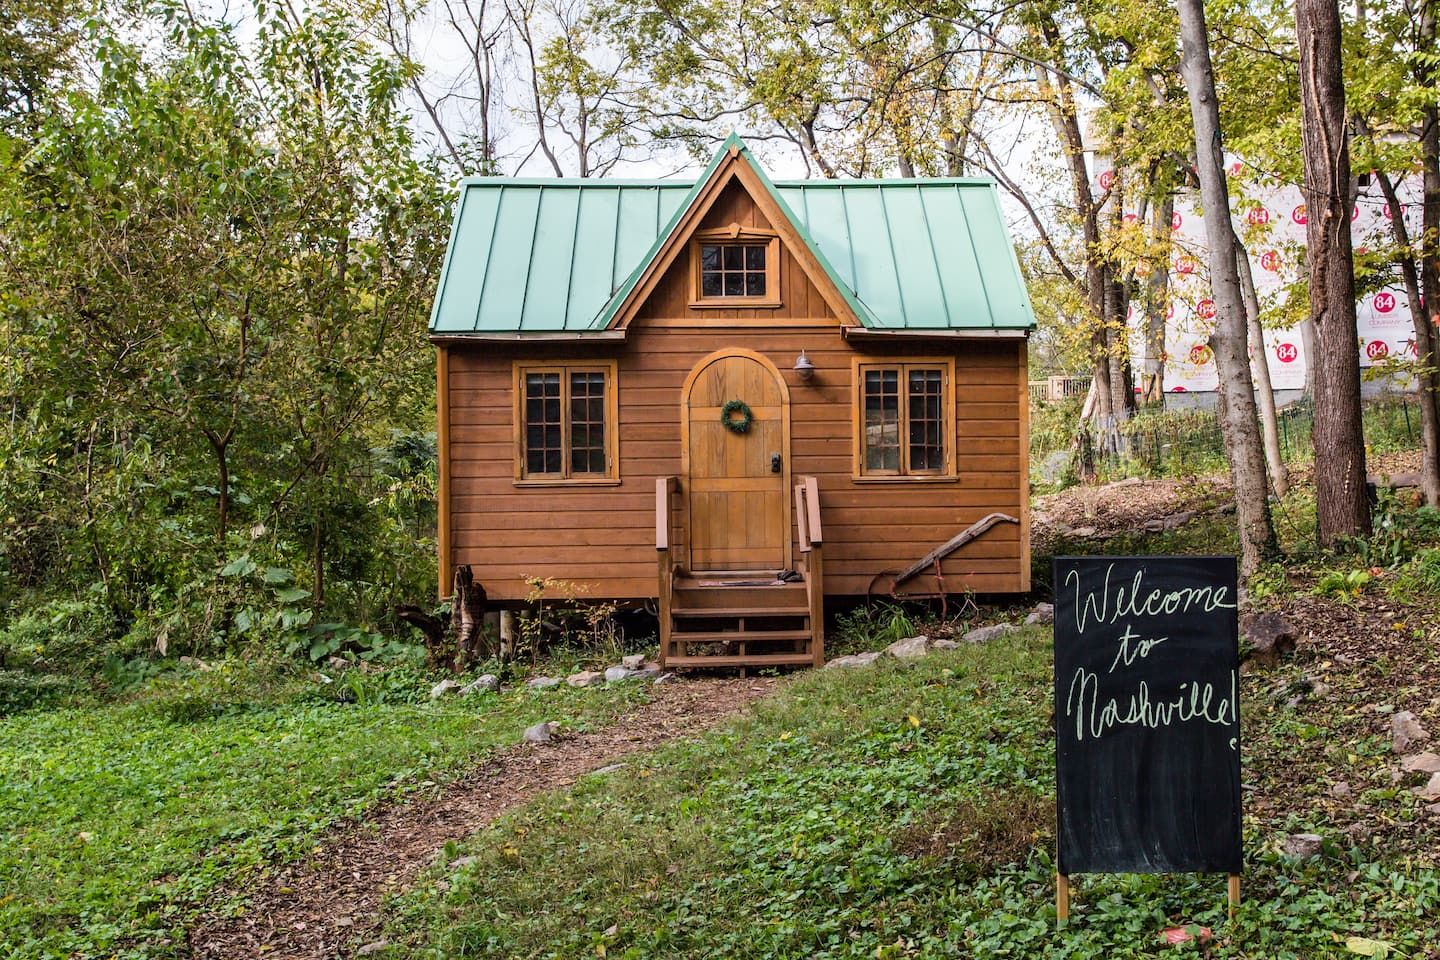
(609, 368)
(737, 234)
(947, 401)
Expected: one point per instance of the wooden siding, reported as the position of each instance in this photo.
(799, 299)
(605, 536)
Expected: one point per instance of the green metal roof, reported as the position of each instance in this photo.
(531, 255)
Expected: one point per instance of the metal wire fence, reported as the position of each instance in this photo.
(1187, 442)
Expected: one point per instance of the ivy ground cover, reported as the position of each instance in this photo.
(906, 810)
(119, 821)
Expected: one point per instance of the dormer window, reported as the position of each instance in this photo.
(735, 266)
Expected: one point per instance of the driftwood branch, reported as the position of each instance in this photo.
(469, 620)
(432, 627)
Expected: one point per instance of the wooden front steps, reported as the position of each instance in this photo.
(715, 622)
(743, 620)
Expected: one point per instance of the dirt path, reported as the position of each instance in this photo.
(322, 907)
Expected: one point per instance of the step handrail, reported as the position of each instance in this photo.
(665, 488)
(812, 543)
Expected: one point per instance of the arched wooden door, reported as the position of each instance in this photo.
(736, 483)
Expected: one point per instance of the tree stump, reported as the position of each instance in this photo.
(468, 618)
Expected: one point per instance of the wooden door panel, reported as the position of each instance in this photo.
(737, 507)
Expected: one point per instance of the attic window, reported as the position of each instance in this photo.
(732, 269)
(735, 267)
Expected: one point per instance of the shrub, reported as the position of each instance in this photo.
(21, 691)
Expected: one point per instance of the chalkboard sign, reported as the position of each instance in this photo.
(1147, 715)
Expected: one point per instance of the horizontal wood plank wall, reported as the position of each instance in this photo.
(799, 300)
(605, 536)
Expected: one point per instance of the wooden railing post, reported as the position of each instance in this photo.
(812, 543)
(665, 568)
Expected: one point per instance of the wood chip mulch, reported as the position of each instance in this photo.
(1378, 656)
(328, 905)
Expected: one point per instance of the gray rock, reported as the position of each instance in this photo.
(541, 732)
(1156, 525)
(1426, 762)
(608, 768)
(1431, 790)
(463, 862)
(542, 683)
(633, 662)
(585, 678)
(1321, 690)
(944, 643)
(1340, 789)
(486, 683)
(444, 688)
(855, 659)
(1242, 599)
(1084, 533)
(1407, 732)
(1433, 808)
(371, 948)
(1271, 636)
(911, 648)
(649, 670)
(1303, 845)
(1177, 520)
(1043, 613)
(615, 674)
(993, 632)
(666, 678)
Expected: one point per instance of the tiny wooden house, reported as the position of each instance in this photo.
(733, 397)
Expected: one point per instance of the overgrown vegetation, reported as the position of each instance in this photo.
(215, 406)
(121, 820)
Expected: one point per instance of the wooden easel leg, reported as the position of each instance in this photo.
(1062, 898)
(1234, 893)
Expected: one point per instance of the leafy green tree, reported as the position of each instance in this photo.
(217, 265)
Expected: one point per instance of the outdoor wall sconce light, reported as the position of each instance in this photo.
(804, 368)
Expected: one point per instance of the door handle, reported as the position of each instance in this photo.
(774, 463)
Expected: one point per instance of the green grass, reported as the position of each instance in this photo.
(118, 820)
(892, 811)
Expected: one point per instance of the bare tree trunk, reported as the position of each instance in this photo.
(1429, 253)
(1237, 391)
(219, 445)
(1427, 377)
(1341, 505)
(1157, 291)
(1260, 364)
